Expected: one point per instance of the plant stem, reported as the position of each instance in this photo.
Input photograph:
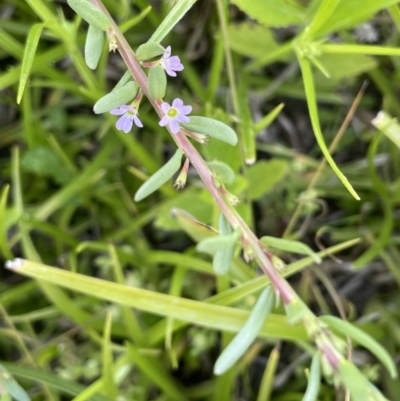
(280, 285)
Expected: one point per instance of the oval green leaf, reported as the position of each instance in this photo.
(363, 339)
(213, 128)
(93, 46)
(314, 380)
(157, 82)
(243, 339)
(160, 177)
(218, 243)
(148, 51)
(29, 55)
(116, 98)
(290, 246)
(90, 13)
(222, 171)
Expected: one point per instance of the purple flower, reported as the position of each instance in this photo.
(175, 114)
(129, 116)
(170, 64)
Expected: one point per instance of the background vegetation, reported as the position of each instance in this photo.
(68, 178)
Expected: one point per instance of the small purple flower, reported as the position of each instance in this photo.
(175, 114)
(129, 116)
(170, 64)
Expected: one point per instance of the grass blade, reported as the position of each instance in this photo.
(312, 108)
(29, 55)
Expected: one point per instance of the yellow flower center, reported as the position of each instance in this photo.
(172, 112)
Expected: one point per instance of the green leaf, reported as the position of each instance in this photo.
(160, 177)
(29, 55)
(324, 11)
(313, 110)
(107, 359)
(341, 66)
(90, 13)
(93, 46)
(149, 50)
(290, 246)
(200, 313)
(64, 386)
(174, 16)
(266, 121)
(314, 379)
(363, 339)
(4, 213)
(223, 257)
(263, 175)
(157, 82)
(11, 386)
(213, 128)
(222, 171)
(354, 381)
(42, 161)
(116, 98)
(212, 245)
(277, 13)
(249, 39)
(349, 13)
(389, 126)
(242, 341)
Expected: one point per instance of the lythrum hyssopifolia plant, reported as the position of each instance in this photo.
(143, 101)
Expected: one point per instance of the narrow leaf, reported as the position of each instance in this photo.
(4, 246)
(354, 381)
(11, 386)
(107, 359)
(363, 339)
(174, 16)
(213, 244)
(290, 246)
(90, 13)
(200, 313)
(29, 55)
(314, 379)
(160, 177)
(242, 341)
(213, 128)
(312, 108)
(266, 121)
(116, 98)
(93, 46)
(157, 82)
(223, 258)
(149, 50)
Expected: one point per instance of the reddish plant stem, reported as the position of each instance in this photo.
(280, 284)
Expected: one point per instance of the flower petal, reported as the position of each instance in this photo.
(164, 121)
(121, 121)
(183, 119)
(117, 112)
(174, 125)
(137, 121)
(165, 107)
(127, 124)
(178, 103)
(170, 72)
(186, 109)
(167, 52)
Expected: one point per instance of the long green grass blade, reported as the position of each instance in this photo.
(312, 108)
(29, 55)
